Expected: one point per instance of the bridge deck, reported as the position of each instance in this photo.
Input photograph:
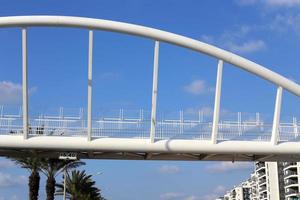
(245, 138)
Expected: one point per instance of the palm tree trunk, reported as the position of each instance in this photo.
(34, 185)
(50, 188)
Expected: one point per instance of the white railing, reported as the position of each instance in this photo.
(246, 127)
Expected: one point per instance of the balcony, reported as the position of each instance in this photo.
(263, 188)
(289, 182)
(262, 181)
(261, 174)
(291, 192)
(290, 164)
(290, 173)
(262, 196)
(259, 166)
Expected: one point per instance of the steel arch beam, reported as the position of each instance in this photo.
(155, 34)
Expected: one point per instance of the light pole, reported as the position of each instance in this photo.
(65, 175)
(67, 156)
(65, 179)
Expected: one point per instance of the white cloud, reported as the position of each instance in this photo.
(274, 3)
(217, 192)
(179, 196)
(237, 40)
(14, 197)
(169, 169)
(210, 196)
(222, 167)
(8, 180)
(7, 164)
(192, 197)
(197, 87)
(171, 195)
(246, 47)
(286, 23)
(283, 2)
(11, 93)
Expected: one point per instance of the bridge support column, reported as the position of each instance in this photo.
(90, 76)
(24, 83)
(154, 92)
(215, 125)
(276, 119)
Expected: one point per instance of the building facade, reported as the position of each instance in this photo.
(291, 180)
(270, 181)
(241, 192)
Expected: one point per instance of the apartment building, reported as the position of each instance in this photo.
(266, 183)
(241, 192)
(291, 180)
(253, 182)
(270, 180)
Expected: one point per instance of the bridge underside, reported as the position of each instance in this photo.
(142, 149)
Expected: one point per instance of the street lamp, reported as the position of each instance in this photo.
(67, 156)
(65, 179)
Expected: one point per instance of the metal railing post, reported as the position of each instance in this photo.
(276, 119)
(215, 125)
(90, 76)
(239, 123)
(24, 83)
(295, 127)
(154, 92)
(257, 119)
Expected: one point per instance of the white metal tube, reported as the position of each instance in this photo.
(90, 76)
(154, 91)
(215, 125)
(276, 119)
(24, 83)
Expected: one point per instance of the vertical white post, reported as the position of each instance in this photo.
(141, 115)
(154, 92)
(276, 119)
(181, 120)
(257, 117)
(90, 76)
(1, 116)
(239, 123)
(65, 179)
(295, 125)
(24, 83)
(217, 103)
(1, 113)
(200, 116)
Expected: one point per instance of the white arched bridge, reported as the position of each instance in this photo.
(118, 136)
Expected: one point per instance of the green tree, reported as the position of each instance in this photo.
(51, 168)
(80, 186)
(32, 164)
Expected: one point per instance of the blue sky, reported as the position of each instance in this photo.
(267, 32)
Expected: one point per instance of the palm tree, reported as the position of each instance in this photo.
(33, 165)
(51, 168)
(80, 186)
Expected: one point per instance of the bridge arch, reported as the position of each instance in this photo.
(155, 34)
